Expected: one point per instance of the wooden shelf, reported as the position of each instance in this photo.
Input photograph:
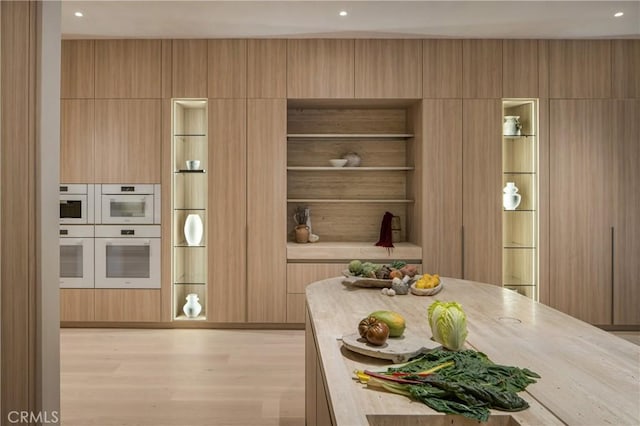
(349, 135)
(184, 318)
(346, 251)
(347, 169)
(518, 136)
(373, 201)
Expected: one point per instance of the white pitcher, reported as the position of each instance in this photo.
(511, 125)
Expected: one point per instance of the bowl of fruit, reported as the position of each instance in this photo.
(426, 285)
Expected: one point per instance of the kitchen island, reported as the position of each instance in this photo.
(588, 376)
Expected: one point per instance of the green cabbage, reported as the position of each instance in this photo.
(448, 324)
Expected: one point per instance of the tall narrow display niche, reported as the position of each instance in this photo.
(520, 196)
(189, 209)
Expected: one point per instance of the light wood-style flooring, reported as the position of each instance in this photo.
(182, 377)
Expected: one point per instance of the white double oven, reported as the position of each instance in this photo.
(109, 236)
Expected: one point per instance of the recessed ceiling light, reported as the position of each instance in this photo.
(618, 14)
(343, 13)
(79, 14)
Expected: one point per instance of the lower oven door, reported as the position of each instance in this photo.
(76, 262)
(127, 263)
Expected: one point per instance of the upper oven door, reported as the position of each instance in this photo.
(73, 209)
(125, 209)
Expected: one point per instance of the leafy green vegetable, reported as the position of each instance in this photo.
(448, 324)
(355, 267)
(398, 264)
(464, 382)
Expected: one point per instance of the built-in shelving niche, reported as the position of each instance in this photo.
(520, 226)
(348, 204)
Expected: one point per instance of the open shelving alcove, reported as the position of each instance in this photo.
(520, 226)
(347, 204)
(189, 197)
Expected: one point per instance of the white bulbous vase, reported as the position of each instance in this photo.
(192, 308)
(193, 229)
(510, 197)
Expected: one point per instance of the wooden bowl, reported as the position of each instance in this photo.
(425, 291)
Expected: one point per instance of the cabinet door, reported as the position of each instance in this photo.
(320, 69)
(581, 202)
(520, 69)
(189, 69)
(76, 141)
(626, 272)
(482, 190)
(227, 68)
(442, 68)
(626, 68)
(128, 69)
(579, 69)
(442, 187)
(299, 276)
(128, 141)
(388, 69)
(127, 305)
(77, 69)
(266, 210)
(267, 68)
(227, 207)
(482, 69)
(76, 304)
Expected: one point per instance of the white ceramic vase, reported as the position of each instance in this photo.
(510, 197)
(511, 125)
(193, 229)
(192, 308)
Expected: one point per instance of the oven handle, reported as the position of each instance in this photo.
(110, 242)
(71, 241)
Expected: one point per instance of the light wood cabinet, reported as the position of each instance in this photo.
(481, 69)
(77, 304)
(299, 275)
(77, 69)
(189, 69)
(388, 68)
(625, 68)
(320, 68)
(127, 305)
(481, 190)
(227, 204)
(128, 69)
(266, 210)
(581, 202)
(227, 68)
(442, 187)
(77, 127)
(579, 69)
(626, 236)
(442, 69)
(128, 141)
(266, 68)
(520, 69)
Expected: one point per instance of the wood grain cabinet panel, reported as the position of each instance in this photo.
(189, 69)
(581, 178)
(579, 69)
(77, 304)
(626, 259)
(77, 69)
(320, 68)
(77, 127)
(481, 190)
(299, 276)
(128, 69)
(266, 68)
(266, 210)
(442, 187)
(128, 141)
(626, 68)
(520, 69)
(482, 69)
(135, 305)
(227, 207)
(442, 68)
(227, 68)
(388, 69)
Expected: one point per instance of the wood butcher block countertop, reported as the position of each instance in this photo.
(589, 377)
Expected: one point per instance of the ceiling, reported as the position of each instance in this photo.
(365, 19)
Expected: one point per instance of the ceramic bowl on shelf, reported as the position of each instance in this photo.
(338, 162)
(193, 164)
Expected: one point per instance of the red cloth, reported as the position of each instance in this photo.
(386, 239)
